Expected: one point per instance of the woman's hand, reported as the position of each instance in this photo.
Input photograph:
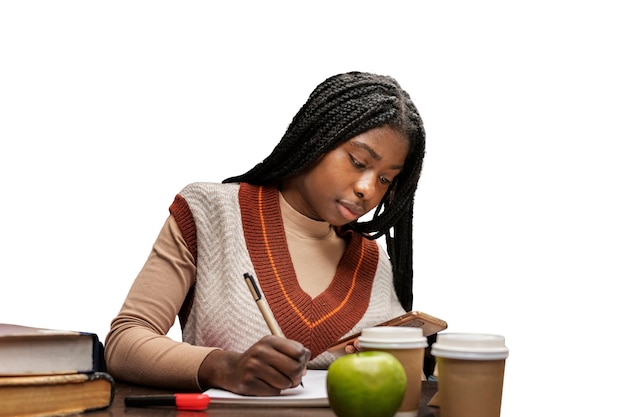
(353, 347)
(270, 365)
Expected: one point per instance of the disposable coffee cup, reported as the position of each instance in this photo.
(407, 344)
(470, 374)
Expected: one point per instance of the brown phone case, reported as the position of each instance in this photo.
(429, 325)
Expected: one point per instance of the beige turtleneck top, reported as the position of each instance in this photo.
(315, 249)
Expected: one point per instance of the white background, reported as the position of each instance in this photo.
(107, 109)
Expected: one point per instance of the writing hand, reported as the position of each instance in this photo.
(267, 367)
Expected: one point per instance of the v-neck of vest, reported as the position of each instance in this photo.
(316, 322)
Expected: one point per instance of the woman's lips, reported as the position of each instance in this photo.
(350, 211)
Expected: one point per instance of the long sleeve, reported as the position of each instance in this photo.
(137, 349)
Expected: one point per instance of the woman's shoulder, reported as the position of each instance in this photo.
(205, 196)
(197, 189)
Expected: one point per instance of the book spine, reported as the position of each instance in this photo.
(103, 375)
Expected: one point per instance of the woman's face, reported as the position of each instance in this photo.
(350, 180)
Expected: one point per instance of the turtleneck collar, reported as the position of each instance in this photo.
(302, 226)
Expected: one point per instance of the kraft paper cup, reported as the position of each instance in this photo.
(470, 374)
(407, 344)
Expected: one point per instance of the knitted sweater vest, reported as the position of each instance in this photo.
(232, 229)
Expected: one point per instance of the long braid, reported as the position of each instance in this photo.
(340, 108)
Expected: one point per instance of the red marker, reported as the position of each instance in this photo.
(181, 401)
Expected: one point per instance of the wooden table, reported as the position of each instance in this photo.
(219, 410)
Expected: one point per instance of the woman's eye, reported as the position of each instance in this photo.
(384, 181)
(356, 163)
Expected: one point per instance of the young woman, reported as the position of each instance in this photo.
(292, 222)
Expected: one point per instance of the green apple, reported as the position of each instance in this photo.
(366, 384)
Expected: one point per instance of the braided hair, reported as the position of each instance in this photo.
(340, 108)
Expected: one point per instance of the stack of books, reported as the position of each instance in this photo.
(51, 372)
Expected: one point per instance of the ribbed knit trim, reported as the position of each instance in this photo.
(317, 322)
(184, 219)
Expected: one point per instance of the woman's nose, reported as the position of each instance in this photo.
(365, 186)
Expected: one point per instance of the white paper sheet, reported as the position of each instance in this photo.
(313, 394)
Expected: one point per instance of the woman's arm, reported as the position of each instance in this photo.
(137, 349)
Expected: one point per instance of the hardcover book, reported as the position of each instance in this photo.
(55, 395)
(28, 350)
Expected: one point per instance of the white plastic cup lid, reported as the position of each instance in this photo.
(472, 346)
(392, 338)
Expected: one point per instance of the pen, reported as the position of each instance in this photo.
(267, 315)
(181, 401)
